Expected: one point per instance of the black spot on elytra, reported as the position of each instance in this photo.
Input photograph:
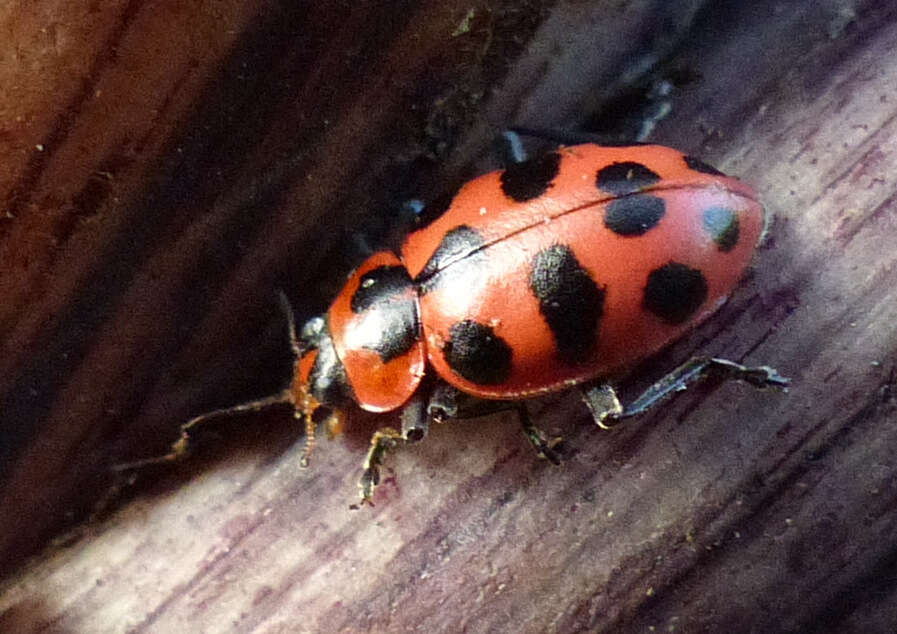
(380, 285)
(625, 178)
(476, 353)
(700, 166)
(634, 215)
(399, 330)
(569, 300)
(457, 244)
(674, 292)
(385, 290)
(722, 225)
(530, 179)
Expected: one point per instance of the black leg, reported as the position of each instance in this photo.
(543, 446)
(441, 402)
(606, 409)
(509, 148)
(448, 402)
(415, 424)
(382, 441)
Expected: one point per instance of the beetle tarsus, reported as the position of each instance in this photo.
(382, 441)
(544, 447)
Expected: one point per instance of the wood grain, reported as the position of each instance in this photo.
(170, 165)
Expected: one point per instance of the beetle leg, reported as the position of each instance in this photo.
(543, 446)
(449, 402)
(415, 420)
(606, 409)
(415, 424)
(510, 148)
(382, 441)
(603, 403)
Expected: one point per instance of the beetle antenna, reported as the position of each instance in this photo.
(181, 447)
(291, 323)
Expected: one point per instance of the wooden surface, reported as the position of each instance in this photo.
(167, 166)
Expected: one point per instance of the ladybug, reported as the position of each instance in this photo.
(560, 271)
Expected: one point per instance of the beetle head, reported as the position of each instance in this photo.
(319, 378)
